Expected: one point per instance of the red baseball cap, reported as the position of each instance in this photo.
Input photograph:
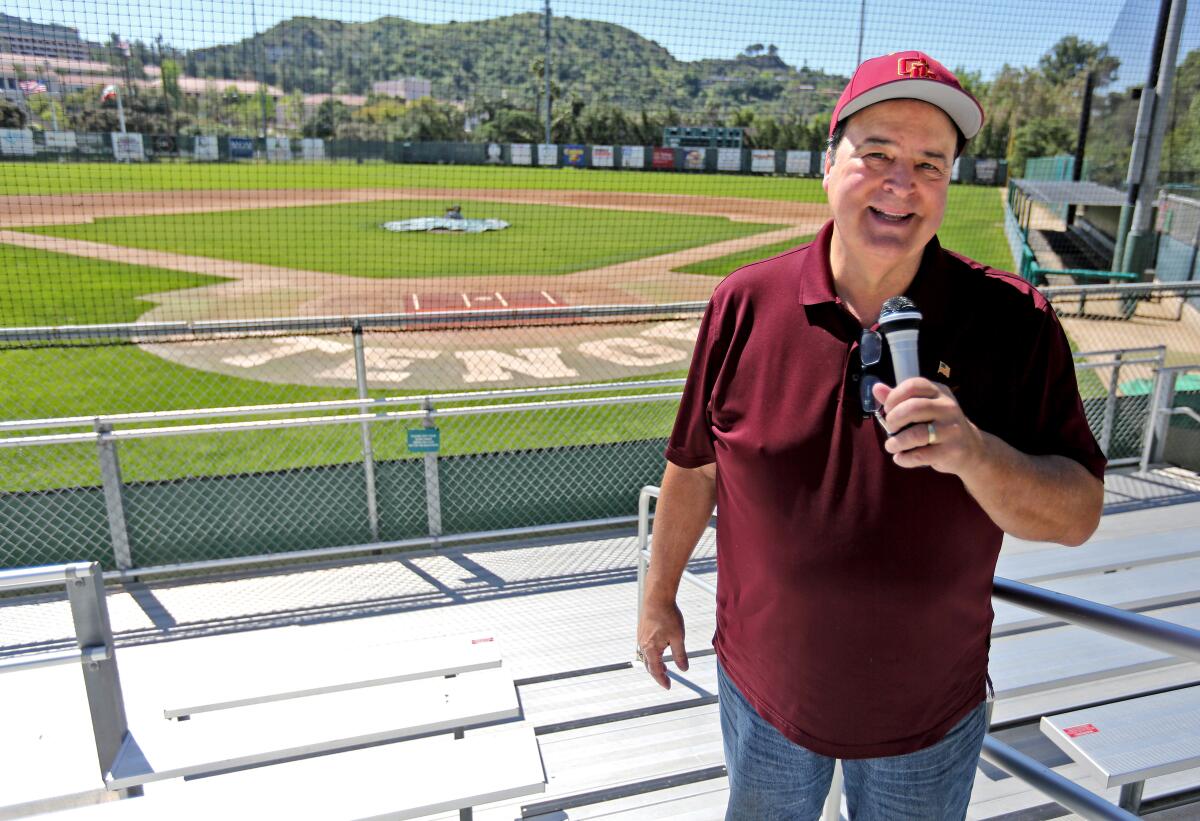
(909, 75)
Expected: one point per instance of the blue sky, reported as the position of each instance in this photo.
(977, 35)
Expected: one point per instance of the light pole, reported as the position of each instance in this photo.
(546, 71)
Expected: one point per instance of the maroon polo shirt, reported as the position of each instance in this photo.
(854, 596)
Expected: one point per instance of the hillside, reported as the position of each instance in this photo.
(496, 58)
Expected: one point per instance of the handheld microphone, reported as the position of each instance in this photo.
(898, 322)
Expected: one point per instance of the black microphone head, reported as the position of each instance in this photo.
(899, 313)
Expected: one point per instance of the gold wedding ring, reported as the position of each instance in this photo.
(932, 431)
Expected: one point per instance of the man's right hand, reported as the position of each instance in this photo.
(660, 627)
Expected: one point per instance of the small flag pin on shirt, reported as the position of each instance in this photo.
(943, 369)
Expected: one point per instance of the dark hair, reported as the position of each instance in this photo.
(839, 131)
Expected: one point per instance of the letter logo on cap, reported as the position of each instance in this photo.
(915, 68)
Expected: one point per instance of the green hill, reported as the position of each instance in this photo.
(502, 57)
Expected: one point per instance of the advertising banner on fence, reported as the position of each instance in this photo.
(128, 147)
(547, 154)
(312, 148)
(16, 142)
(693, 159)
(241, 148)
(602, 156)
(986, 171)
(279, 149)
(633, 156)
(729, 159)
(664, 157)
(91, 143)
(954, 172)
(164, 144)
(60, 141)
(494, 152)
(522, 154)
(762, 161)
(798, 162)
(204, 147)
(573, 155)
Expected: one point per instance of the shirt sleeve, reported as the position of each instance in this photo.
(691, 442)
(1055, 422)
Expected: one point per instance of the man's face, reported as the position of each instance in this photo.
(888, 182)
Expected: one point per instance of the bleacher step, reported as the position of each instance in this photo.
(156, 749)
(393, 781)
(258, 676)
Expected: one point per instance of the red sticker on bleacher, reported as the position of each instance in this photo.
(481, 641)
(1081, 729)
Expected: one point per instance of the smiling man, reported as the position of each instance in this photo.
(855, 560)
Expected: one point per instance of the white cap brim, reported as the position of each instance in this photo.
(959, 106)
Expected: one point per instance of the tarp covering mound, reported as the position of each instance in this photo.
(446, 224)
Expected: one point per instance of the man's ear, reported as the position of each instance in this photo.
(825, 169)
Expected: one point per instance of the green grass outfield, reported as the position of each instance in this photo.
(348, 239)
(43, 288)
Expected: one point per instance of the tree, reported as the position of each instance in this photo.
(1071, 57)
(330, 114)
(170, 81)
(11, 116)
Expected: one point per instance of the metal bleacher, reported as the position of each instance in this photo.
(561, 615)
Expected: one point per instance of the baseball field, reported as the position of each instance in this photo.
(102, 243)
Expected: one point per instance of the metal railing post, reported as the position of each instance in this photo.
(643, 547)
(114, 500)
(433, 485)
(1162, 397)
(368, 451)
(1110, 406)
(89, 611)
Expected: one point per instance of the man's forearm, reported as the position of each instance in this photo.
(1039, 498)
(685, 505)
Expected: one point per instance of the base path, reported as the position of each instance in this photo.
(433, 360)
(251, 288)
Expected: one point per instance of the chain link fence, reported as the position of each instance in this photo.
(317, 446)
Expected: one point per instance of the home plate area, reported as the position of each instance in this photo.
(480, 300)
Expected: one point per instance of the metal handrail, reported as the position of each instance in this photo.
(327, 405)
(140, 330)
(1062, 790)
(1121, 289)
(22, 577)
(428, 413)
(1174, 639)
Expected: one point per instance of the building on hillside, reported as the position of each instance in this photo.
(32, 39)
(406, 88)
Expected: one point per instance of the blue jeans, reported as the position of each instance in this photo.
(773, 779)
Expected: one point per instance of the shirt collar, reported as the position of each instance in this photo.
(816, 275)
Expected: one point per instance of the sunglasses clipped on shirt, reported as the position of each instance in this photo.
(870, 352)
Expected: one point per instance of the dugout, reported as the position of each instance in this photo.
(1064, 228)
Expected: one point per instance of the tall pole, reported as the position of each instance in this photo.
(1141, 135)
(262, 89)
(1139, 245)
(546, 72)
(862, 19)
(120, 110)
(1085, 118)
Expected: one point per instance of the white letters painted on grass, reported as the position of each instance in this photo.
(383, 365)
(497, 366)
(632, 351)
